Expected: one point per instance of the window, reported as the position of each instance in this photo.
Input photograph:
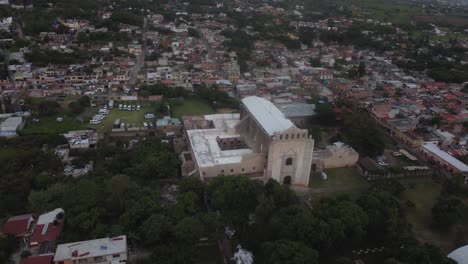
(292, 136)
(116, 256)
(298, 135)
(253, 168)
(243, 169)
(98, 259)
(222, 171)
(286, 137)
(281, 136)
(204, 173)
(289, 161)
(232, 170)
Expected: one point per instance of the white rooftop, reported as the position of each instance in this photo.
(207, 152)
(267, 114)
(460, 255)
(49, 217)
(91, 248)
(445, 156)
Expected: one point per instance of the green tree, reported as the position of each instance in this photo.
(362, 69)
(361, 133)
(288, 252)
(155, 229)
(189, 230)
(448, 211)
(234, 196)
(325, 114)
(48, 108)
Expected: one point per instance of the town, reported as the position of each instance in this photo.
(233, 132)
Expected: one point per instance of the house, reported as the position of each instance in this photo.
(48, 228)
(103, 250)
(83, 139)
(10, 125)
(40, 259)
(18, 225)
(444, 160)
(168, 125)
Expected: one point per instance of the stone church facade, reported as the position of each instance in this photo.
(259, 142)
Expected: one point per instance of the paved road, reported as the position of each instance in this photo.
(133, 78)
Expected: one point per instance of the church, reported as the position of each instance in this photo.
(259, 142)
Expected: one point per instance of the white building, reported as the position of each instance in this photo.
(10, 125)
(103, 250)
(460, 255)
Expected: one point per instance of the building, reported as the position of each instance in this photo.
(40, 259)
(259, 142)
(298, 113)
(168, 125)
(83, 139)
(18, 225)
(103, 250)
(335, 156)
(10, 125)
(460, 255)
(48, 228)
(444, 160)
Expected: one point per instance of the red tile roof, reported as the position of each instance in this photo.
(17, 225)
(51, 234)
(46, 259)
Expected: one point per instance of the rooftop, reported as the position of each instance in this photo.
(267, 114)
(205, 147)
(460, 255)
(17, 225)
(91, 248)
(445, 156)
(42, 259)
(297, 109)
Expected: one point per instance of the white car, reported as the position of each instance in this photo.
(94, 122)
(145, 124)
(149, 115)
(138, 107)
(120, 106)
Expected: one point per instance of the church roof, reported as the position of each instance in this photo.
(267, 114)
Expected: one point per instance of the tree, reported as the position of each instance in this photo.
(325, 114)
(234, 196)
(362, 69)
(361, 133)
(84, 101)
(448, 211)
(155, 229)
(288, 252)
(49, 108)
(189, 230)
(76, 108)
(192, 184)
(8, 245)
(192, 32)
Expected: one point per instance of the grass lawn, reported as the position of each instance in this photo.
(339, 177)
(424, 196)
(192, 107)
(49, 125)
(127, 117)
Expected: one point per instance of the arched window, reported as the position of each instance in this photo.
(281, 136)
(287, 136)
(298, 135)
(292, 136)
(289, 161)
